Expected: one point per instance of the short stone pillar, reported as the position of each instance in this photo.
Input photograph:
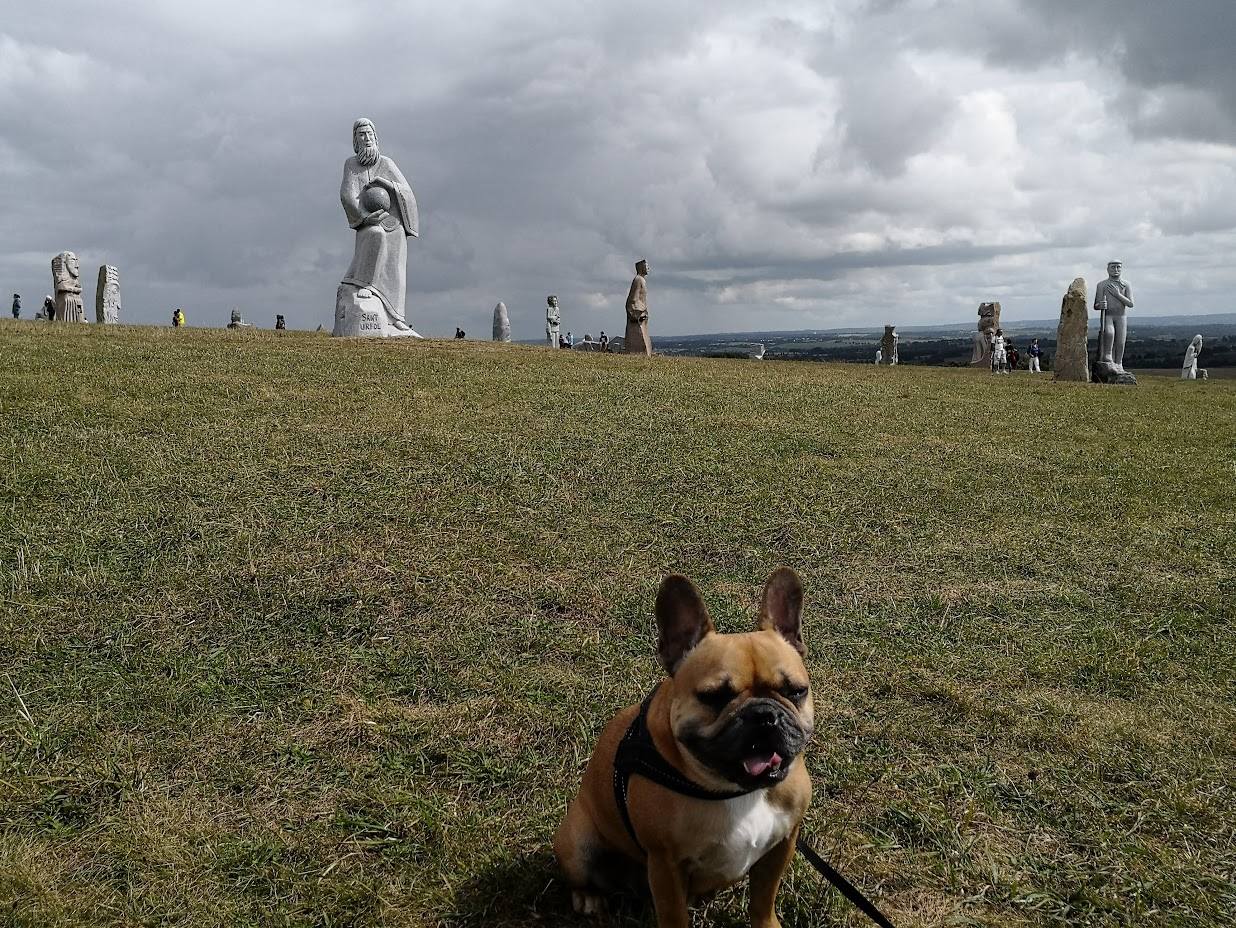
(1071, 361)
(107, 296)
(502, 324)
(888, 346)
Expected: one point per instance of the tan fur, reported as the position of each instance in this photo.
(689, 845)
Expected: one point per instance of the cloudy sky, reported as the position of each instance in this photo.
(782, 165)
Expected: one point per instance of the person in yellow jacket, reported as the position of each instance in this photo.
(178, 317)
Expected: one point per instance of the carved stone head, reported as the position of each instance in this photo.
(1113, 269)
(552, 300)
(65, 267)
(641, 267)
(365, 142)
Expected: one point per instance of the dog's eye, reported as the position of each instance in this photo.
(796, 694)
(718, 697)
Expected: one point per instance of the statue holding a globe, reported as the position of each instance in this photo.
(380, 207)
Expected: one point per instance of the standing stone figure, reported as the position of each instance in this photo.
(502, 324)
(553, 319)
(888, 346)
(1112, 298)
(107, 296)
(1189, 370)
(379, 205)
(65, 272)
(1071, 362)
(637, 340)
(989, 321)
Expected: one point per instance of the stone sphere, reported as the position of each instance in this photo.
(375, 198)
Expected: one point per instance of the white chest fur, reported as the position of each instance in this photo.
(752, 827)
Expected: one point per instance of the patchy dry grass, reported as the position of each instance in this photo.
(297, 631)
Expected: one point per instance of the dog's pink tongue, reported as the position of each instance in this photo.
(756, 766)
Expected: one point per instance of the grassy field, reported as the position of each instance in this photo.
(315, 632)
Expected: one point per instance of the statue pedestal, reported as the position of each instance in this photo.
(1106, 372)
(360, 314)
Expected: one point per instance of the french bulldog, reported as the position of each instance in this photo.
(703, 783)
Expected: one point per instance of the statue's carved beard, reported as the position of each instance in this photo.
(368, 156)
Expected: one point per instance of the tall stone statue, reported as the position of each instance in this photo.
(1189, 370)
(1112, 298)
(553, 320)
(65, 273)
(107, 296)
(989, 321)
(888, 346)
(380, 207)
(637, 340)
(502, 324)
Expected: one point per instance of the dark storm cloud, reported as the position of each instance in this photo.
(781, 165)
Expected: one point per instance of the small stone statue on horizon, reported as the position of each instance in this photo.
(553, 320)
(637, 340)
(502, 323)
(65, 273)
(1189, 370)
(1112, 298)
(238, 321)
(888, 347)
(107, 296)
(989, 321)
(380, 207)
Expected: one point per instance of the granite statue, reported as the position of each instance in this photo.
(502, 324)
(553, 321)
(1113, 298)
(636, 338)
(1189, 370)
(380, 207)
(989, 321)
(1072, 332)
(107, 296)
(757, 353)
(68, 289)
(888, 346)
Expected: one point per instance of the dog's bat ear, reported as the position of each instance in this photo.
(781, 607)
(682, 620)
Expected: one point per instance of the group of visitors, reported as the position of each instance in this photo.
(1004, 355)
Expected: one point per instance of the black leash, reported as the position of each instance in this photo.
(847, 888)
(638, 755)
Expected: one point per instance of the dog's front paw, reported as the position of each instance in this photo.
(586, 903)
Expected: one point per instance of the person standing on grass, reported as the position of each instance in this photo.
(999, 357)
(178, 318)
(1036, 353)
(604, 342)
(16, 305)
(1013, 357)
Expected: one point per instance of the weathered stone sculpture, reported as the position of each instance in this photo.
(888, 346)
(1189, 370)
(1113, 298)
(637, 340)
(65, 273)
(989, 321)
(238, 321)
(553, 321)
(107, 296)
(379, 205)
(502, 324)
(756, 354)
(1071, 362)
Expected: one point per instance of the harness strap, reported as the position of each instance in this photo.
(637, 754)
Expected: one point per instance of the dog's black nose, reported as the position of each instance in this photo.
(766, 714)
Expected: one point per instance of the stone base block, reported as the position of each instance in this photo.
(360, 314)
(1110, 373)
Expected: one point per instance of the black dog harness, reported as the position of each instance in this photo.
(637, 754)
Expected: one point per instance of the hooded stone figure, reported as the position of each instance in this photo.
(379, 205)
